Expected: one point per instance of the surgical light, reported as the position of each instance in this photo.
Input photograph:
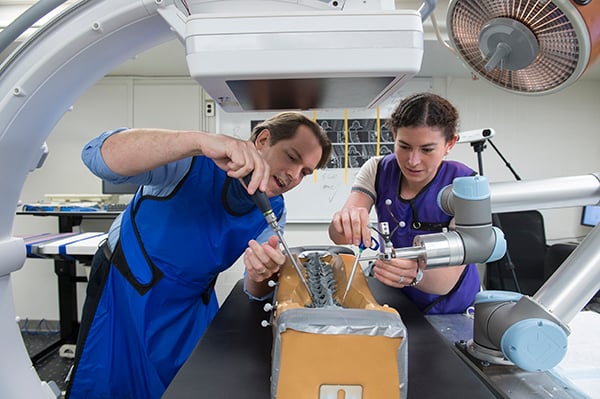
(528, 46)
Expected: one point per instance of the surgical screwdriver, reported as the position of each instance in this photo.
(361, 247)
(264, 205)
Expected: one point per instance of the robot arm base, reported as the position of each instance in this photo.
(520, 329)
(534, 344)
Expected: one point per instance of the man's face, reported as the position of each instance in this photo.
(290, 160)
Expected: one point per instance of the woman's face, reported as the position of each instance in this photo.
(419, 152)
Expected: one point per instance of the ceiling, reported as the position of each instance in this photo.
(169, 59)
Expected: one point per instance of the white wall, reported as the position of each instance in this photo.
(546, 136)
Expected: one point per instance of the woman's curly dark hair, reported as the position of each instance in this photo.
(425, 109)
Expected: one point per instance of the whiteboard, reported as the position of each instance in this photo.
(318, 197)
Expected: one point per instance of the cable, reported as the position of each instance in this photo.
(186, 6)
(508, 165)
(26, 20)
(439, 35)
(388, 202)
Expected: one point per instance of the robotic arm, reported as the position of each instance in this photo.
(530, 332)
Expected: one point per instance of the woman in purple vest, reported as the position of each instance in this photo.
(403, 187)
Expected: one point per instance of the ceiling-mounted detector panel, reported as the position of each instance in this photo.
(301, 59)
(527, 46)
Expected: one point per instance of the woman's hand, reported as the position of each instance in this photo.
(396, 272)
(400, 273)
(351, 226)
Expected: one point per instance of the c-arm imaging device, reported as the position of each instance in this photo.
(42, 78)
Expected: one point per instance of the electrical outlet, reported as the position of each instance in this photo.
(209, 108)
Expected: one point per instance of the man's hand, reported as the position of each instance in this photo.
(263, 261)
(238, 158)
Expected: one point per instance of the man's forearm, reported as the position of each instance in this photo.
(135, 151)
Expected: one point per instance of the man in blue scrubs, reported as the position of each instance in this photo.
(150, 295)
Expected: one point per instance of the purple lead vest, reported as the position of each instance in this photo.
(422, 215)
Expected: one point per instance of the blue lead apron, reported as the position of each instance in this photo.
(154, 307)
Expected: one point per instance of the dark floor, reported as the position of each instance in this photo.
(41, 339)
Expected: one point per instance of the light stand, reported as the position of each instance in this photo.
(506, 260)
(478, 147)
(506, 163)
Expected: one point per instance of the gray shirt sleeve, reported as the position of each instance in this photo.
(365, 178)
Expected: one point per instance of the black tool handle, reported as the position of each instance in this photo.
(260, 198)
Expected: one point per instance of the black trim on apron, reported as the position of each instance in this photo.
(118, 259)
(418, 225)
(445, 296)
